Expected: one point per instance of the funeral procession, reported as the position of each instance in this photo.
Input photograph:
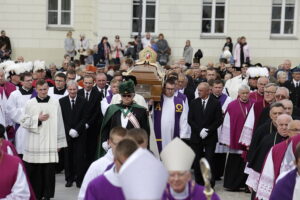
(149, 100)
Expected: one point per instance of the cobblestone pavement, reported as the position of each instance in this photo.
(63, 193)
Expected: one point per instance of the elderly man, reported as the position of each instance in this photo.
(288, 188)
(273, 165)
(127, 114)
(74, 113)
(258, 95)
(262, 149)
(204, 117)
(178, 159)
(255, 112)
(235, 117)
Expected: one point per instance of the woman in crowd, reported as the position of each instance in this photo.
(70, 45)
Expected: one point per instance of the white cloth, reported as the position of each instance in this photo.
(56, 96)
(43, 141)
(182, 195)
(20, 189)
(232, 86)
(266, 180)
(15, 110)
(104, 106)
(84, 44)
(97, 168)
(222, 148)
(2, 116)
(296, 193)
(124, 119)
(247, 132)
(146, 42)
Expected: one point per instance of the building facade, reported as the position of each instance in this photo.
(37, 28)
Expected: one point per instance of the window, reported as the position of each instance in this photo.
(283, 17)
(59, 13)
(148, 16)
(213, 16)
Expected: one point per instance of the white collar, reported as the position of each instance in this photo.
(295, 82)
(72, 99)
(109, 155)
(181, 195)
(113, 177)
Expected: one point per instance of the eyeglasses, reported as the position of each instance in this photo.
(59, 81)
(126, 95)
(171, 89)
(296, 130)
(269, 92)
(28, 80)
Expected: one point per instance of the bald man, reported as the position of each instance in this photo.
(205, 116)
(258, 95)
(274, 165)
(260, 153)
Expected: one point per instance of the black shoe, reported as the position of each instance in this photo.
(69, 184)
(78, 185)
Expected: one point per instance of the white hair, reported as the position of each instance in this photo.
(281, 74)
(284, 89)
(244, 87)
(72, 83)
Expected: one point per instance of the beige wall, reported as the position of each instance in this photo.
(25, 23)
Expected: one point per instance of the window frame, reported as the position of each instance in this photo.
(213, 20)
(281, 34)
(59, 16)
(143, 32)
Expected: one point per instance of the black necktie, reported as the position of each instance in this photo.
(203, 105)
(102, 93)
(87, 96)
(73, 104)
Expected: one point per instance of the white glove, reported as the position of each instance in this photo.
(73, 133)
(86, 126)
(204, 133)
(105, 146)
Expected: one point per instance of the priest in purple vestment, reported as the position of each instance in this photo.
(288, 188)
(274, 164)
(178, 159)
(107, 186)
(237, 111)
(258, 95)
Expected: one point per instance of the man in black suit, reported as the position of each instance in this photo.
(74, 114)
(101, 85)
(294, 86)
(94, 120)
(205, 116)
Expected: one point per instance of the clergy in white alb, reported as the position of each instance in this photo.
(170, 116)
(16, 106)
(46, 135)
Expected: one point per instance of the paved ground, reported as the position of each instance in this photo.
(63, 193)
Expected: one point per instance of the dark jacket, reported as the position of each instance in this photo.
(210, 119)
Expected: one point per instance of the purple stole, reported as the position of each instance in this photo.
(284, 188)
(278, 152)
(237, 112)
(195, 193)
(9, 171)
(109, 97)
(222, 99)
(180, 95)
(109, 166)
(178, 103)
